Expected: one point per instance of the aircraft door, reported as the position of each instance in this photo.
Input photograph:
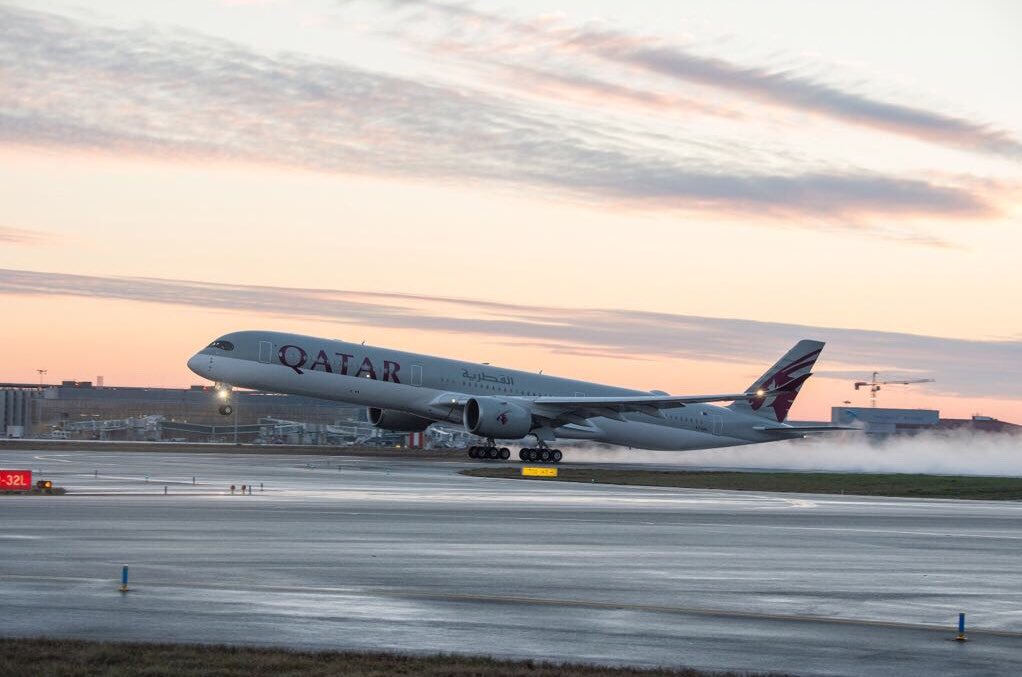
(717, 425)
(265, 352)
(416, 374)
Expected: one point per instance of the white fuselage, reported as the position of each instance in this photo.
(431, 387)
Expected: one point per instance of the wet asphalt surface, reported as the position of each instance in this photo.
(407, 555)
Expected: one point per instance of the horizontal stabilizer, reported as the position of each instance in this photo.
(802, 429)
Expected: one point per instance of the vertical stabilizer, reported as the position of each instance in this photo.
(786, 378)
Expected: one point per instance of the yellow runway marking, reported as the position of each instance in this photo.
(533, 471)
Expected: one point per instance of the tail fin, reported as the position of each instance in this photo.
(785, 379)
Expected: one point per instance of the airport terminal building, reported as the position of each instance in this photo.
(82, 410)
(78, 409)
(880, 421)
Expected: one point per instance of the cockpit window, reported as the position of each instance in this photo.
(222, 345)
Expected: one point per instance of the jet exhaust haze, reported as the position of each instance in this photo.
(951, 453)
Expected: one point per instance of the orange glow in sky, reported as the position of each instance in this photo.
(521, 191)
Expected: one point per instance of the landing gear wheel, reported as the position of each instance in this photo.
(505, 453)
(544, 455)
(492, 452)
(523, 454)
(557, 455)
(473, 452)
(226, 410)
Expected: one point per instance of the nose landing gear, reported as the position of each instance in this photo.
(223, 393)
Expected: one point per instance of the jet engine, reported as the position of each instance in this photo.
(397, 421)
(492, 417)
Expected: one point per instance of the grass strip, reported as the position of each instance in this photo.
(858, 484)
(57, 657)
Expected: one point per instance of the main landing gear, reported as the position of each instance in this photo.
(492, 452)
(541, 455)
(489, 451)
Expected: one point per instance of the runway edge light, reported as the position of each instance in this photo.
(961, 629)
(124, 578)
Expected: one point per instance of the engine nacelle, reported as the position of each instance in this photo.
(492, 417)
(398, 421)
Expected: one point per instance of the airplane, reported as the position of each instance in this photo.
(408, 392)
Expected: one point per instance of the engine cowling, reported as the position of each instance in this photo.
(492, 417)
(397, 421)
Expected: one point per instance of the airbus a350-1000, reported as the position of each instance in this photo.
(407, 392)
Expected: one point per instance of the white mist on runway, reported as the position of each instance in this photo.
(953, 453)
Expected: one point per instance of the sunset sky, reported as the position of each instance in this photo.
(654, 194)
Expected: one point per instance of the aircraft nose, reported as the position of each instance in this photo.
(197, 364)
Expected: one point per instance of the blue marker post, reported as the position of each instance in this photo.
(124, 578)
(961, 628)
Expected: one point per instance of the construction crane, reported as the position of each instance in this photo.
(874, 386)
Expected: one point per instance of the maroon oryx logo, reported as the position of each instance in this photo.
(502, 417)
(789, 385)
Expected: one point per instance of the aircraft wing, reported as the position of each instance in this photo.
(580, 408)
(640, 403)
(614, 407)
(577, 409)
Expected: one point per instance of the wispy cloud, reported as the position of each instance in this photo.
(802, 93)
(600, 92)
(177, 94)
(965, 367)
(779, 86)
(22, 236)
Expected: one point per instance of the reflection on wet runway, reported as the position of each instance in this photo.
(345, 552)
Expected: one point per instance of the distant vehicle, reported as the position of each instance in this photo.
(407, 392)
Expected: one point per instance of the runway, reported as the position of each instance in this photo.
(357, 553)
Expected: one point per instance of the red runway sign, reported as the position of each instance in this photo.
(15, 480)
